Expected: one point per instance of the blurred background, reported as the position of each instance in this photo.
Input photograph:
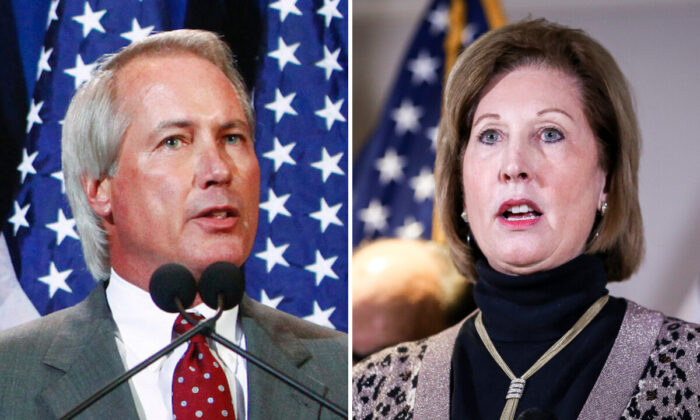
(657, 46)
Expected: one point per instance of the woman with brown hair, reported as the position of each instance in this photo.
(536, 177)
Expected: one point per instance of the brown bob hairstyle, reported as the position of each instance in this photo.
(618, 236)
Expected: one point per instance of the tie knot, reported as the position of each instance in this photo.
(182, 326)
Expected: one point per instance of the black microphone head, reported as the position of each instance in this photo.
(225, 278)
(172, 281)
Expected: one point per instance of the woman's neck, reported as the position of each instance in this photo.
(540, 306)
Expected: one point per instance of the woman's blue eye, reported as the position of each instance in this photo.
(489, 136)
(551, 135)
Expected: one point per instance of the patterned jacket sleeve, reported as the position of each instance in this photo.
(670, 383)
(384, 385)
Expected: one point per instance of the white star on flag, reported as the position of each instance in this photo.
(328, 164)
(286, 7)
(137, 33)
(280, 154)
(374, 216)
(411, 229)
(390, 166)
(272, 303)
(469, 33)
(438, 19)
(406, 117)
(329, 62)
(424, 68)
(321, 317)
(331, 113)
(44, 62)
(27, 164)
(423, 185)
(275, 205)
(284, 54)
(33, 115)
(56, 280)
(90, 20)
(322, 268)
(327, 215)
(329, 10)
(432, 134)
(63, 227)
(52, 12)
(20, 217)
(282, 105)
(81, 71)
(273, 255)
(59, 176)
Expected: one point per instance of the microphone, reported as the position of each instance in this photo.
(172, 288)
(222, 278)
(221, 286)
(171, 283)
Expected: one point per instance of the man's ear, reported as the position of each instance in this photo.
(99, 195)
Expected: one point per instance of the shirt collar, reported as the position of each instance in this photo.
(144, 328)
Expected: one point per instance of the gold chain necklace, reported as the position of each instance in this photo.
(517, 385)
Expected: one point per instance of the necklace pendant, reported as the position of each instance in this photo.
(516, 388)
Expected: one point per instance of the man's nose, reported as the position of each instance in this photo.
(214, 165)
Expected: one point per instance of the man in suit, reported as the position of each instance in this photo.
(160, 167)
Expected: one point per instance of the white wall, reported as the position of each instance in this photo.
(657, 45)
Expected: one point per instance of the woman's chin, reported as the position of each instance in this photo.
(520, 263)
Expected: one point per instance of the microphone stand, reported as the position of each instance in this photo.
(201, 327)
(335, 408)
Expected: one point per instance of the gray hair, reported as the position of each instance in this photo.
(93, 127)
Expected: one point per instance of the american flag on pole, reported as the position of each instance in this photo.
(393, 185)
(293, 266)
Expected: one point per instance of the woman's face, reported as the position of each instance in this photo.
(531, 176)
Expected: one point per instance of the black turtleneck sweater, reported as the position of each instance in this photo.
(524, 316)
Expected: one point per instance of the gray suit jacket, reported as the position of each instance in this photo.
(52, 364)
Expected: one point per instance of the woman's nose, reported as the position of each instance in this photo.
(517, 162)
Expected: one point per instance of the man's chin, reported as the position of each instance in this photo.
(197, 267)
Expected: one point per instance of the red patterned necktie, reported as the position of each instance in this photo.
(200, 388)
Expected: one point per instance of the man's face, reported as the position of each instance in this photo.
(187, 182)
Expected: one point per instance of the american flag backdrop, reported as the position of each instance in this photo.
(299, 261)
(393, 185)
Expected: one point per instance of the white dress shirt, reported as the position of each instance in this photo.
(144, 329)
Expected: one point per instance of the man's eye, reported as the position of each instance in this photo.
(232, 138)
(551, 135)
(489, 136)
(173, 142)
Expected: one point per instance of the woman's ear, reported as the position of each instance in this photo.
(99, 195)
(603, 197)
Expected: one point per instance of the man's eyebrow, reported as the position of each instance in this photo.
(172, 123)
(184, 123)
(481, 117)
(237, 123)
(558, 110)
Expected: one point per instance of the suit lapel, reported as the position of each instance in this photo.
(268, 397)
(84, 349)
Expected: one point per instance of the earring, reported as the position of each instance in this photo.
(464, 216)
(469, 238)
(603, 208)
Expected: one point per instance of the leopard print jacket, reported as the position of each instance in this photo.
(652, 372)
